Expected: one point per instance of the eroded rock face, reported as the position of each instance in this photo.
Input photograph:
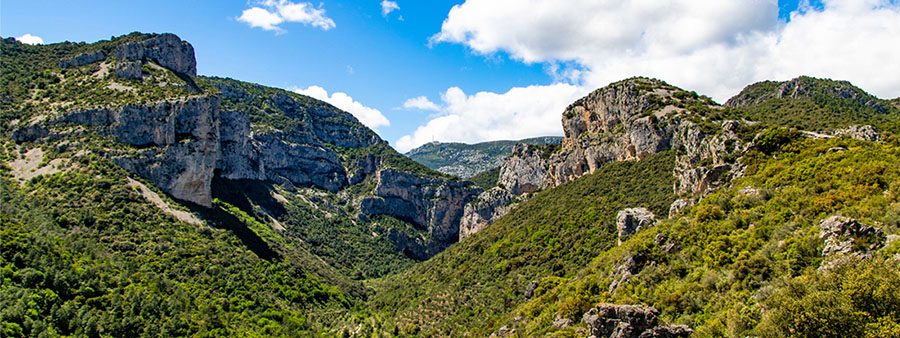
(432, 204)
(484, 210)
(630, 221)
(847, 236)
(679, 205)
(180, 140)
(130, 70)
(626, 121)
(168, 50)
(629, 321)
(82, 59)
(865, 133)
(524, 171)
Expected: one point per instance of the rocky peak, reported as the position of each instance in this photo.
(168, 50)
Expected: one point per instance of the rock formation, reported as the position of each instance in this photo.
(82, 59)
(629, 321)
(484, 210)
(630, 266)
(166, 49)
(525, 170)
(847, 236)
(432, 204)
(630, 221)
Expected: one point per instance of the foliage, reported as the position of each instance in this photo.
(469, 286)
(85, 254)
(466, 160)
(487, 179)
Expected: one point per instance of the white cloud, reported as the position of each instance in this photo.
(30, 39)
(422, 103)
(269, 14)
(716, 47)
(388, 6)
(521, 112)
(370, 117)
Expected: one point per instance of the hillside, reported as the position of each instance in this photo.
(128, 179)
(714, 267)
(467, 160)
(138, 198)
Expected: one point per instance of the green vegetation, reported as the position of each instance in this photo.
(466, 160)
(814, 104)
(748, 261)
(84, 254)
(470, 286)
(487, 179)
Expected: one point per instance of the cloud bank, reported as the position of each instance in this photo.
(29, 39)
(715, 48)
(370, 117)
(269, 14)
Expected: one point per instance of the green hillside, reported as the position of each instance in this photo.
(470, 286)
(467, 160)
(813, 104)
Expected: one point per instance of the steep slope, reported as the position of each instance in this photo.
(812, 104)
(759, 258)
(467, 160)
(95, 134)
(516, 276)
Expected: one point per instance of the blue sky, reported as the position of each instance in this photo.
(483, 74)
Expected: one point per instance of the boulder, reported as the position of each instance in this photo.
(630, 221)
(847, 236)
(630, 321)
(678, 206)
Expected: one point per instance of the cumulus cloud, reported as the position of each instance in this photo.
(422, 103)
(370, 117)
(269, 14)
(716, 48)
(388, 6)
(30, 39)
(521, 112)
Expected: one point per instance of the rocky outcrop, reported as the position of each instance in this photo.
(847, 236)
(487, 208)
(865, 133)
(630, 266)
(634, 118)
(168, 50)
(82, 59)
(130, 70)
(704, 163)
(30, 133)
(630, 221)
(679, 205)
(432, 204)
(629, 321)
(525, 170)
(179, 142)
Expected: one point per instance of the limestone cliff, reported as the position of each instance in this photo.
(432, 204)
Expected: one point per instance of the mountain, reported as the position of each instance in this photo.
(127, 175)
(140, 199)
(467, 160)
(738, 252)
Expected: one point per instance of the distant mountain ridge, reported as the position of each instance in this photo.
(467, 160)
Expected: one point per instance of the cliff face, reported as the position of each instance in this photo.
(431, 204)
(627, 120)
